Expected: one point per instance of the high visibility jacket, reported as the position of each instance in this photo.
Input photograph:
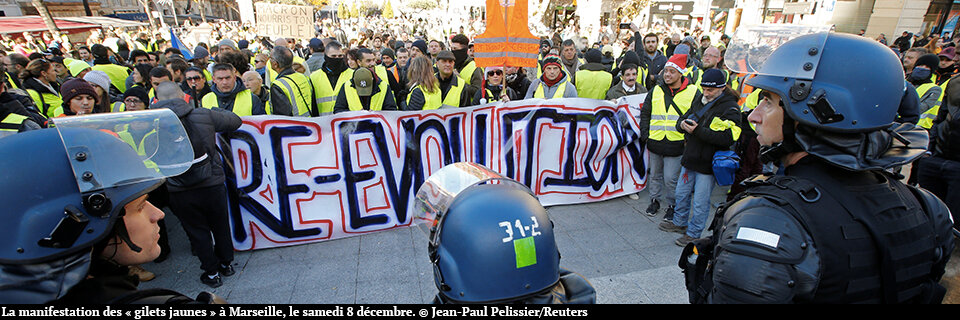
(353, 99)
(663, 117)
(593, 84)
(139, 145)
(507, 39)
(118, 107)
(927, 117)
(437, 100)
(298, 90)
(467, 72)
(324, 94)
(11, 124)
(50, 105)
(557, 94)
(395, 71)
(117, 74)
(242, 102)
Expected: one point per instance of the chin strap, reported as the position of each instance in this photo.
(773, 154)
(122, 233)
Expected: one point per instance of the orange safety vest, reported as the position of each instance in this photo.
(507, 41)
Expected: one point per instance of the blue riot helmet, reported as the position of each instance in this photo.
(836, 89)
(65, 188)
(490, 239)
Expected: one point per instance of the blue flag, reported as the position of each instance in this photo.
(176, 43)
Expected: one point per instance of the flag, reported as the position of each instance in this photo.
(176, 43)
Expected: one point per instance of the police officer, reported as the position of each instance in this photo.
(229, 93)
(835, 227)
(515, 260)
(76, 251)
(291, 92)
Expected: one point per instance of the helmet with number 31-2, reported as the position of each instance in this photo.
(490, 238)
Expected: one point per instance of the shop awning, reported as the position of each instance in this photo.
(18, 25)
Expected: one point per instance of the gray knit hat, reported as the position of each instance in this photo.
(98, 78)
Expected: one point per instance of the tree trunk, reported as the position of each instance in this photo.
(200, 7)
(47, 19)
(86, 7)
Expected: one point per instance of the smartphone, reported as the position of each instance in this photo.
(624, 26)
(688, 122)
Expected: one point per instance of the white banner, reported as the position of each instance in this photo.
(301, 180)
(285, 21)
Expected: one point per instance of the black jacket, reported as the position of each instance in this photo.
(202, 125)
(520, 84)
(705, 141)
(14, 104)
(225, 100)
(496, 91)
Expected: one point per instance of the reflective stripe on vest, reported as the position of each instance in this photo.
(11, 124)
(242, 102)
(503, 43)
(593, 84)
(296, 87)
(557, 94)
(927, 117)
(663, 117)
(323, 92)
(118, 107)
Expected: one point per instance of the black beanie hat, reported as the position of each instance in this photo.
(593, 56)
(929, 60)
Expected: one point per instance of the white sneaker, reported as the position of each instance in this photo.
(634, 196)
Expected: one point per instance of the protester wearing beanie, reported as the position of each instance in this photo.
(139, 101)
(101, 83)
(79, 97)
(711, 124)
(553, 83)
(422, 46)
(593, 78)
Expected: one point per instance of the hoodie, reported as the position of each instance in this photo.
(225, 99)
(201, 125)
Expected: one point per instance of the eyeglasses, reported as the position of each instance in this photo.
(132, 100)
(194, 78)
(494, 73)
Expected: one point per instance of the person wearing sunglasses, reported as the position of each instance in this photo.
(493, 88)
(196, 82)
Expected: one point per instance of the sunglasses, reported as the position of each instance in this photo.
(194, 78)
(494, 73)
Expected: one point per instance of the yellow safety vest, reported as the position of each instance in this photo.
(11, 83)
(296, 87)
(50, 105)
(11, 124)
(467, 72)
(353, 99)
(558, 94)
(663, 117)
(117, 74)
(242, 102)
(128, 138)
(436, 99)
(593, 84)
(118, 107)
(927, 117)
(323, 92)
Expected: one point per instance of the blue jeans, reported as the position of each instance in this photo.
(693, 201)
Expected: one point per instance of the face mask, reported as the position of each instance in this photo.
(334, 64)
(460, 56)
(920, 73)
(511, 77)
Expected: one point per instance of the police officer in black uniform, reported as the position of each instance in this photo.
(69, 237)
(833, 226)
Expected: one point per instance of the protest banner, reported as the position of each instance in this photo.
(285, 21)
(301, 180)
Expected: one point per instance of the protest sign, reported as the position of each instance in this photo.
(301, 180)
(285, 21)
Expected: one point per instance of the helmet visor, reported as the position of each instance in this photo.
(439, 191)
(752, 45)
(156, 136)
